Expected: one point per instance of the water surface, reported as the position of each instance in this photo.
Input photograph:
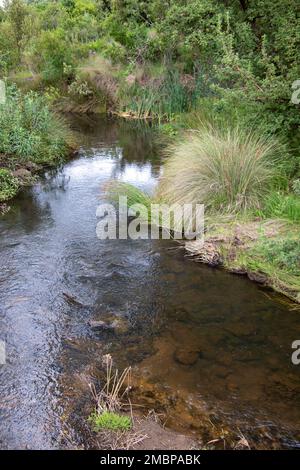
(205, 345)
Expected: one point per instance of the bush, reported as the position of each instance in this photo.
(8, 185)
(226, 170)
(30, 130)
(111, 421)
(52, 53)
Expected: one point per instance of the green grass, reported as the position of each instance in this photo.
(110, 421)
(282, 206)
(30, 130)
(8, 185)
(279, 260)
(115, 189)
(282, 253)
(160, 98)
(227, 170)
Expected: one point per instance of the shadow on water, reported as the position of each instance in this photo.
(206, 346)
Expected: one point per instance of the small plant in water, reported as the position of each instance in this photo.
(109, 401)
(110, 420)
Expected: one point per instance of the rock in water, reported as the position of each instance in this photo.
(186, 357)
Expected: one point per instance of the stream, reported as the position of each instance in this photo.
(208, 349)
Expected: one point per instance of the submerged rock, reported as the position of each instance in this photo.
(118, 326)
(186, 357)
(72, 300)
(100, 325)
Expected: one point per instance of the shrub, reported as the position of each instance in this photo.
(52, 53)
(8, 185)
(110, 420)
(30, 130)
(226, 170)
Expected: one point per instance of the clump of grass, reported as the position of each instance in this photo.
(228, 171)
(30, 130)
(109, 401)
(283, 206)
(115, 189)
(9, 185)
(160, 99)
(111, 421)
(114, 429)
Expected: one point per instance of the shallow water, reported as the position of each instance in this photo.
(203, 343)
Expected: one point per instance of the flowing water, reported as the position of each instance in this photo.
(206, 346)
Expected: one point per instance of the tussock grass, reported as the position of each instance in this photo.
(228, 171)
(109, 401)
(110, 398)
(115, 189)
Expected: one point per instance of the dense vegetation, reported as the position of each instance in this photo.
(226, 69)
(161, 57)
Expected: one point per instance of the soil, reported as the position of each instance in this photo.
(159, 438)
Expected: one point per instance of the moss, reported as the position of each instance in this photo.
(110, 421)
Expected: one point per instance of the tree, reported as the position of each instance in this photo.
(17, 12)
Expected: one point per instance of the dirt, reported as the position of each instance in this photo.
(159, 438)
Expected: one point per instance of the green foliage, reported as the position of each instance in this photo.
(279, 259)
(296, 187)
(110, 421)
(161, 99)
(8, 185)
(282, 253)
(228, 170)
(260, 71)
(17, 12)
(280, 205)
(135, 197)
(244, 53)
(52, 54)
(80, 89)
(29, 130)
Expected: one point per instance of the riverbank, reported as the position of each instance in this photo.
(33, 137)
(267, 251)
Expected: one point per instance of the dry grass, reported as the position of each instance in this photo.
(117, 386)
(228, 171)
(112, 399)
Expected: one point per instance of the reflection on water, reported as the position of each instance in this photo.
(206, 346)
